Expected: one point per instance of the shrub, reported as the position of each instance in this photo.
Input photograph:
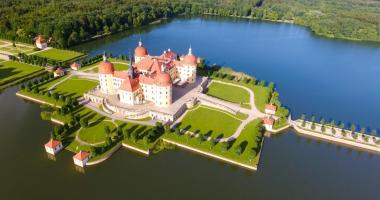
(262, 83)
(45, 115)
(200, 138)
(238, 150)
(225, 146)
(313, 126)
(83, 123)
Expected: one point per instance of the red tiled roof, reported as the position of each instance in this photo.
(40, 39)
(52, 143)
(146, 79)
(271, 107)
(168, 55)
(82, 155)
(130, 85)
(59, 71)
(268, 120)
(149, 64)
(106, 68)
(163, 79)
(75, 65)
(121, 74)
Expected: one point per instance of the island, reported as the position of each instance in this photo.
(151, 103)
(148, 104)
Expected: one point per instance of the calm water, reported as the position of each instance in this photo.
(314, 75)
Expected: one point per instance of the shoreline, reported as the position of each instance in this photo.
(135, 149)
(106, 157)
(36, 100)
(337, 140)
(229, 161)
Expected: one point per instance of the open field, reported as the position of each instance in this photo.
(75, 87)
(59, 54)
(208, 121)
(229, 93)
(14, 71)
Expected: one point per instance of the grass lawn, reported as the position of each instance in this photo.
(59, 54)
(209, 121)
(228, 93)
(261, 93)
(75, 87)
(12, 71)
(18, 49)
(95, 133)
(120, 67)
(246, 140)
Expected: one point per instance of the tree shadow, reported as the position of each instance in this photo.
(243, 146)
(208, 134)
(220, 136)
(187, 128)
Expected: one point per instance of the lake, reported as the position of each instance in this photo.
(328, 78)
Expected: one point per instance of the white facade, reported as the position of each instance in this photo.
(81, 163)
(41, 45)
(270, 111)
(131, 98)
(268, 127)
(107, 84)
(53, 150)
(186, 73)
(160, 95)
(138, 58)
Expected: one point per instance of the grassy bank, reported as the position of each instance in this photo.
(245, 149)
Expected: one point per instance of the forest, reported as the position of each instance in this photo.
(71, 22)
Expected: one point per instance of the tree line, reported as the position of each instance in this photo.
(70, 22)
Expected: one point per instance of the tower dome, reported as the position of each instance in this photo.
(141, 51)
(106, 67)
(190, 59)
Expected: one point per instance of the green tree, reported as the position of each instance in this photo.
(200, 138)
(107, 130)
(238, 149)
(93, 151)
(224, 146)
(353, 127)
(83, 123)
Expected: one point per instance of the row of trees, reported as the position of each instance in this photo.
(334, 124)
(38, 60)
(87, 18)
(356, 20)
(224, 146)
